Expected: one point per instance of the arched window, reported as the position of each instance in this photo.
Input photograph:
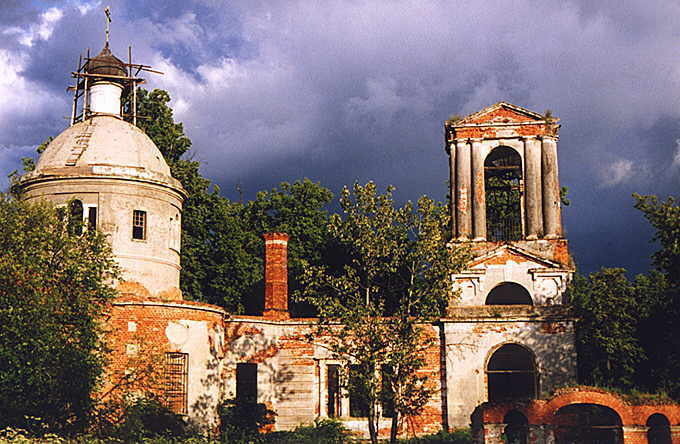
(75, 220)
(502, 181)
(588, 424)
(659, 431)
(516, 428)
(509, 293)
(511, 373)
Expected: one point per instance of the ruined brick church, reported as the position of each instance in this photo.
(509, 336)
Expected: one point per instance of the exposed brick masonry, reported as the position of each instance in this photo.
(276, 276)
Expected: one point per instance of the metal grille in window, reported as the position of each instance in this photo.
(503, 188)
(176, 378)
(139, 224)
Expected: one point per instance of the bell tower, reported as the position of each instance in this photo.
(504, 180)
(505, 201)
(510, 309)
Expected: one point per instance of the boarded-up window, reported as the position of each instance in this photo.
(176, 378)
(139, 224)
(246, 382)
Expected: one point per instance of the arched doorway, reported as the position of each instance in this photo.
(509, 293)
(511, 374)
(659, 431)
(516, 427)
(502, 185)
(588, 424)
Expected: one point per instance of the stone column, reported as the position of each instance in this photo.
(478, 194)
(532, 180)
(551, 189)
(463, 192)
(451, 149)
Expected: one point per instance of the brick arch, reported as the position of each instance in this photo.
(587, 397)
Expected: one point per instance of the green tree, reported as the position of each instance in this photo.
(398, 264)
(217, 266)
(222, 245)
(298, 209)
(661, 334)
(54, 284)
(607, 306)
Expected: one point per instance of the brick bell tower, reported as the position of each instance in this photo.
(506, 194)
(509, 333)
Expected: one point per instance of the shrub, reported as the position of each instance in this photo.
(148, 418)
(460, 436)
(324, 431)
(243, 420)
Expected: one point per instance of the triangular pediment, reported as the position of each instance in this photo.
(502, 113)
(507, 254)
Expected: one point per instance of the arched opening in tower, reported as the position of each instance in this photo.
(511, 374)
(588, 424)
(509, 293)
(659, 429)
(502, 184)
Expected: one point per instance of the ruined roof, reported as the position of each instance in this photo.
(502, 113)
(103, 146)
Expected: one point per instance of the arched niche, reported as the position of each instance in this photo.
(509, 293)
(659, 431)
(502, 185)
(511, 374)
(588, 424)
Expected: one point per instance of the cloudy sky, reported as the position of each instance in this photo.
(340, 91)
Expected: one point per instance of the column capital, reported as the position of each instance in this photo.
(476, 139)
(526, 138)
(553, 137)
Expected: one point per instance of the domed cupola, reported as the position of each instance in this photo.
(112, 172)
(106, 64)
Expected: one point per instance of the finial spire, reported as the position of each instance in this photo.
(107, 11)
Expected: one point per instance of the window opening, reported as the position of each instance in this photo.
(511, 374)
(139, 224)
(246, 382)
(333, 386)
(75, 220)
(176, 377)
(517, 427)
(358, 404)
(503, 188)
(659, 431)
(387, 395)
(509, 293)
(92, 218)
(588, 424)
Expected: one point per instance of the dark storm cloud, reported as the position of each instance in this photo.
(358, 90)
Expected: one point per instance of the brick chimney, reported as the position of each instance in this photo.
(276, 276)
